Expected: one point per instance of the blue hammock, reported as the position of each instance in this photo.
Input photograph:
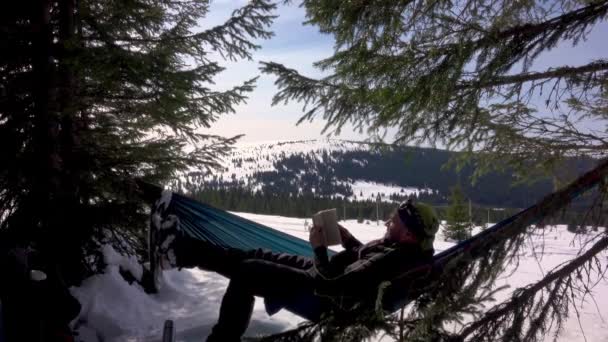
(224, 229)
(221, 228)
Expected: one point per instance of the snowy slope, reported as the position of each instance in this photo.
(247, 161)
(116, 311)
(247, 158)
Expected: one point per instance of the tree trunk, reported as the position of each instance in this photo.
(72, 231)
(45, 161)
(49, 218)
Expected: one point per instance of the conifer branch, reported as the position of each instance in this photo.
(522, 296)
(231, 39)
(94, 94)
(560, 72)
(560, 25)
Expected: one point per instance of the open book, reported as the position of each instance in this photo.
(328, 221)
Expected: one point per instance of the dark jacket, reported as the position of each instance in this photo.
(360, 268)
(348, 278)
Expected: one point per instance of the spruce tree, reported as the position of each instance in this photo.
(459, 75)
(97, 94)
(462, 75)
(458, 223)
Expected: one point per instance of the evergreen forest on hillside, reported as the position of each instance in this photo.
(329, 174)
(305, 205)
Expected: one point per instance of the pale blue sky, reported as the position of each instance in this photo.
(298, 46)
(295, 45)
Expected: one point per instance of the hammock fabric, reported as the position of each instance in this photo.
(223, 229)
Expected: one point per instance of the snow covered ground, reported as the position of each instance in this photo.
(113, 310)
(363, 190)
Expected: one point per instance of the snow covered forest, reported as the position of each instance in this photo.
(299, 178)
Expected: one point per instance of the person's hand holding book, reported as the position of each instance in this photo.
(345, 235)
(316, 237)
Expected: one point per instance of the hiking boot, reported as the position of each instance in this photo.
(163, 237)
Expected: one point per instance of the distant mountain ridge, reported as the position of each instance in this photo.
(361, 171)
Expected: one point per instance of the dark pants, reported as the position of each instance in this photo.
(252, 273)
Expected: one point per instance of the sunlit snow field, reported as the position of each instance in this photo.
(250, 158)
(113, 310)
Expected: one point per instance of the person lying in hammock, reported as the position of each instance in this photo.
(355, 272)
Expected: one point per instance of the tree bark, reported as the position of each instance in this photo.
(71, 229)
(45, 161)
